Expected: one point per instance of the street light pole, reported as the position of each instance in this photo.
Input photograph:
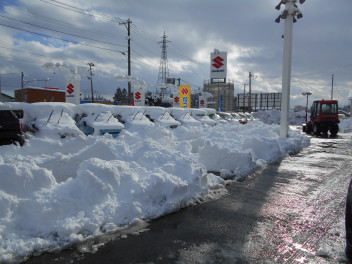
(91, 64)
(306, 94)
(289, 15)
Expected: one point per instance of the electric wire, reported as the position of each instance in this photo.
(57, 31)
(83, 11)
(65, 40)
(31, 15)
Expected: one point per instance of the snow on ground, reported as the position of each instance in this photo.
(345, 125)
(55, 192)
(273, 117)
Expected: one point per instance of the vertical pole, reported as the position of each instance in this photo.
(22, 84)
(332, 87)
(128, 22)
(250, 93)
(307, 110)
(286, 70)
(244, 97)
(129, 59)
(91, 80)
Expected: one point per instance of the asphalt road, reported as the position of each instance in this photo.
(289, 212)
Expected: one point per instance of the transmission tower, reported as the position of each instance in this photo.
(163, 69)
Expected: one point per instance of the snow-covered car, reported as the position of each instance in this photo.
(97, 119)
(50, 119)
(161, 116)
(202, 116)
(227, 117)
(240, 118)
(131, 115)
(183, 116)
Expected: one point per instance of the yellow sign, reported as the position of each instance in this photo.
(185, 96)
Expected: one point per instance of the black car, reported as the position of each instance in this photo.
(10, 128)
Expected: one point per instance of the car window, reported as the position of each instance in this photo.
(6, 115)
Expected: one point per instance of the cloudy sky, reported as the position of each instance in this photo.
(34, 32)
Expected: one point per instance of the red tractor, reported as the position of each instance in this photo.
(323, 118)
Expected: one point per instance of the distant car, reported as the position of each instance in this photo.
(202, 116)
(227, 117)
(161, 116)
(183, 116)
(240, 118)
(10, 127)
(131, 115)
(97, 119)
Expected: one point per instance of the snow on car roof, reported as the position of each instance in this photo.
(197, 111)
(127, 109)
(154, 110)
(43, 109)
(90, 108)
(209, 110)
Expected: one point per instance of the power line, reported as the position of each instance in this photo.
(62, 32)
(37, 16)
(65, 40)
(83, 11)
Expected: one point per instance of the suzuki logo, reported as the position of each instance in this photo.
(176, 99)
(70, 88)
(184, 91)
(218, 62)
(137, 95)
(202, 102)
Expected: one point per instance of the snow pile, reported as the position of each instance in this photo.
(54, 192)
(273, 117)
(345, 125)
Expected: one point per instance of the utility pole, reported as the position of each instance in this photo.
(250, 92)
(128, 23)
(91, 64)
(179, 81)
(22, 84)
(244, 97)
(332, 87)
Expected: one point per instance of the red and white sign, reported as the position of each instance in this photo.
(202, 102)
(139, 96)
(176, 101)
(73, 89)
(70, 88)
(218, 64)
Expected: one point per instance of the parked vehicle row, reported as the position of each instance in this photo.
(65, 119)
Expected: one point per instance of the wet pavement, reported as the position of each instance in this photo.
(289, 212)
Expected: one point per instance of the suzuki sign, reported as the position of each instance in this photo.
(185, 96)
(218, 64)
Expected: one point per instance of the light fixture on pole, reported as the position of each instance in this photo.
(289, 14)
(306, 94)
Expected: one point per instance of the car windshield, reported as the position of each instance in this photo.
(6, 115)
(329, 108)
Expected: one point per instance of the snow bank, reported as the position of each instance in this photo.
(54, 192)
(345, 125)
(273, 117)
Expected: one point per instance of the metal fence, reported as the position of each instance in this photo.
(255, 101)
